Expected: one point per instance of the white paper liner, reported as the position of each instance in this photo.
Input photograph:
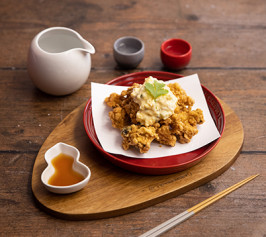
(111, 140)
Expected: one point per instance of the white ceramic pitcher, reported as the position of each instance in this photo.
(59, 60)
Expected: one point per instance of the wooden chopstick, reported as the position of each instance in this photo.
(165, 226)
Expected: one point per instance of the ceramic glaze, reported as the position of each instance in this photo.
(128, 51)
(53, 152)
(158, 165)
(176, 53)
(59, 60)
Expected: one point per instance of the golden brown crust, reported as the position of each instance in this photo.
(138, 136)
(180, 127)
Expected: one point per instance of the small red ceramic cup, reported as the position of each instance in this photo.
(175, 53)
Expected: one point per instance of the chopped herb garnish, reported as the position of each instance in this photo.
(156, 89)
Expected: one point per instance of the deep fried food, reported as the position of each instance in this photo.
(124, 108)
(184, 124)
(139, 136)
(180, 126)
(165, 135)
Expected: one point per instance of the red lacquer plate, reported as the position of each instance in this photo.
(161, 165)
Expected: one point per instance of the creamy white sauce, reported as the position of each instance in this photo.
(152, 110)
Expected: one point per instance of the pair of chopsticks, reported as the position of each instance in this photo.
(167, 225)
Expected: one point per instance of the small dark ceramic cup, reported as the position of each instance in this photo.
(175, 53)
(128, 51)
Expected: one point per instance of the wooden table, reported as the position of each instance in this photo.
(229, 55)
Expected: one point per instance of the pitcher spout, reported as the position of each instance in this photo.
(87, 47)
(59, 61)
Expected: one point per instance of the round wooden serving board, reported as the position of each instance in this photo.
(113, 191)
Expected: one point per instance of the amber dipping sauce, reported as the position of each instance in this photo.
(64, 174)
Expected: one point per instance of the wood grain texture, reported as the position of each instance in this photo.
(228, 42)
(112, 191)
(219, 33)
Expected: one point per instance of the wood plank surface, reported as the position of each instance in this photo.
(108, 184)
(229, 54)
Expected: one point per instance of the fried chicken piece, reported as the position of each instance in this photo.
(184, 124)
(113, 100)
(124, 108)
(129, 105)
(131, 109)
(196, 117)
(119, 117)
(165, 135)
(180, 127)
(139, 137)
(184, 101)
